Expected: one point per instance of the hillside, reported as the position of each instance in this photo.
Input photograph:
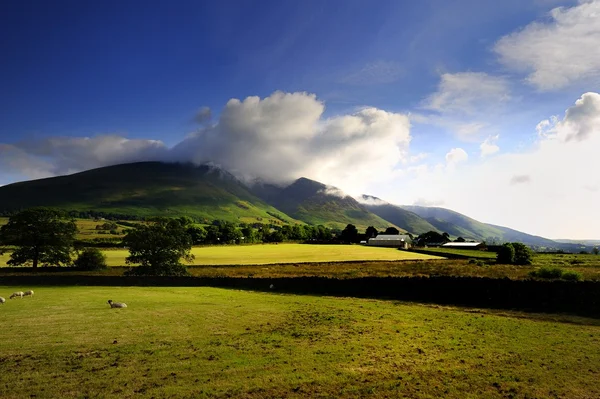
(456, 224)
(316, 203)
(145, 189)
(408, 220)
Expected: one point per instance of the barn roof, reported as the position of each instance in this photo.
(461, 244)
(392, 237)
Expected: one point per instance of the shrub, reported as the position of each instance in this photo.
(547, 272)
(571, 275)
(91, 259)
(506, 254)
(523, 254)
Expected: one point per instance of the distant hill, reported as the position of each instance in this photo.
(317, 203)
(457, 224)
(454, 223)
(145, 189)
(406, 219)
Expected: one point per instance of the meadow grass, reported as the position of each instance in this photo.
(214, 343)
(471, 253)
(271, 254)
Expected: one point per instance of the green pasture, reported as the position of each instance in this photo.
(271, 254)
(212, 343)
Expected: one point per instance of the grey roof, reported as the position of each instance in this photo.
(392, 237)
(461, 244)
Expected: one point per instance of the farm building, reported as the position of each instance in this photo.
(391, 240)
(464, 245)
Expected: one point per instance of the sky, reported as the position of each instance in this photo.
(488, 108)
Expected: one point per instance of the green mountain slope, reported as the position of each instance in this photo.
(145, 189)
(455, 224)
(408, 220)
(316, 203)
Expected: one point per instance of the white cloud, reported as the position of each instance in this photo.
(559, 52)
(468, 93)
(278, 138)
(203, 115)
(284, 136)
(489, 146)
(62, 155)
(561, 168)
(456, 156)
(520, 179)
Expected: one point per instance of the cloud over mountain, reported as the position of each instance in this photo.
(277, 139)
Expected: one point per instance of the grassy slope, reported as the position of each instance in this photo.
(144, 189)
(207, 343)
(455, 223)
(401, 217)
(313, 202)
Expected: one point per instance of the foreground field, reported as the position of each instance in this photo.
(271, 254)
(205, 342)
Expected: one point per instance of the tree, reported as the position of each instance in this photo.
(392, 230)
(229, 233)
(371, 232)
(506, 254)
(159, 247)
(41, 236)
(197, 234)
(523, 254)
(91, 259)
(431, 237)
(349, 234)
(595, 251)
(460, 239)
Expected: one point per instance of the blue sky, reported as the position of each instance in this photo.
(450, 79)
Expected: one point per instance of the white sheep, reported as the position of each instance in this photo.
(17, 294)
(2, 300)
(116, 304)
(28, 293)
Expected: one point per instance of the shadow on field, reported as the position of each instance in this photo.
(578, 298)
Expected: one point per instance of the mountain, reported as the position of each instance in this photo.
(456, 224)
(408, 220)
(317, 203)
(145, 189)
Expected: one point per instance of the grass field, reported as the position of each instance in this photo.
(213, 343)
(471, 253)
(270, 254)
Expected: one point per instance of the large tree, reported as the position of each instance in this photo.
(349, 234)
(371, 232)
(392, 231)
(159, 247)
(40, 236)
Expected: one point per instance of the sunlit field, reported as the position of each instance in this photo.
(271, 254)
(207, 342)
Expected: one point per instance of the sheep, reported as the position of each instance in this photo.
(2, 300)
(28, 293)
(17, 294)
(116, 304)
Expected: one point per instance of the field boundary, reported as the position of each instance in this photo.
(581, 298)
